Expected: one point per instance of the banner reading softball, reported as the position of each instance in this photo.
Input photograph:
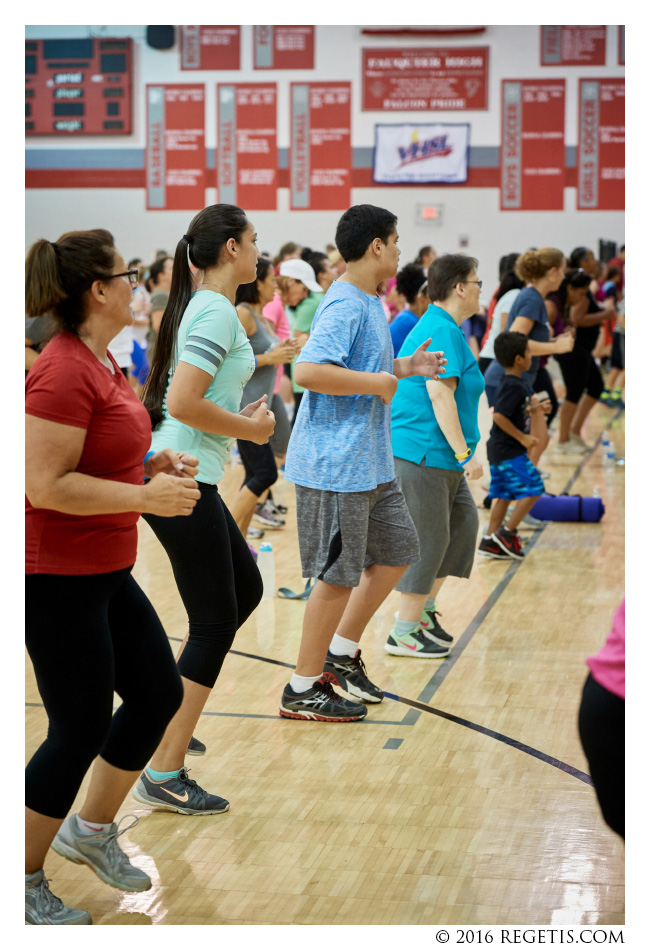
(175, 162)
(247, 164)
(601, 145)
(532, 145)
(321, 151)
(421, 154)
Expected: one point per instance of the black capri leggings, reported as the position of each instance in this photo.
(88, 636)
(217, 578)
(260, 470)
(580, 374)
(601, 722)
(543, 382)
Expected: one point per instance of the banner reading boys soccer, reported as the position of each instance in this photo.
(421, 154)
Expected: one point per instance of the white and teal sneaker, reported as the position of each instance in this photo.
(415, 643)
(42, 907)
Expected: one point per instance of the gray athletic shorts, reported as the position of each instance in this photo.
(446, 520)
(341, 533)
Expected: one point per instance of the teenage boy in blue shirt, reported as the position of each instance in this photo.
(355, 532)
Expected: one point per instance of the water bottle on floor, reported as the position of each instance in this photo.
(605, 446)
(266, 566)
(610, 463)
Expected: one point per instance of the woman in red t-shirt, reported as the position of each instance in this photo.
(90, 630)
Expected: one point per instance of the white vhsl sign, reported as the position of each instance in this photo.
(421, 154)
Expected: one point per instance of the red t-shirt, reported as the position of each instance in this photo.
(69, 385)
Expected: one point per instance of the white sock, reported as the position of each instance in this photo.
(342, 647)
(90, 828)
(300, 684)
(402, 627)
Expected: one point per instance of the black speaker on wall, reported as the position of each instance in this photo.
(161, 37)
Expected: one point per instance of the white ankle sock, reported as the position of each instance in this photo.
(342, 647)
(300, 684)
(90, 828)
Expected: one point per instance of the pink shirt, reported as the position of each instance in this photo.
(274, 311)
(608, 666)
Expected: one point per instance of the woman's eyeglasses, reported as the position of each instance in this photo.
(479, 283)
(132, 276)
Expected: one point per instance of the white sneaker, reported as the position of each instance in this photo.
(569, 448)
(578, 440)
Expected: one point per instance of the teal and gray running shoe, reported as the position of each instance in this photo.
(42, 907)
(102, 854)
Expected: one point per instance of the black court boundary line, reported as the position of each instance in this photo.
(448, 664)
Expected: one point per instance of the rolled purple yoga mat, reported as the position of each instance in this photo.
(568, 508)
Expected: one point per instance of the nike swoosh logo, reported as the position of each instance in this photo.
(424, 624)
(407, 645)
(181, 798)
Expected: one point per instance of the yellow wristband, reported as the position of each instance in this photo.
(463, 455)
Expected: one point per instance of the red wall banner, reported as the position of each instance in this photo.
(247, 150)
(175, 156)
(210, 47)
(573, 45)
(321, 152)
(283, 47)
(532, 145)
(601, 145)
(450, 79)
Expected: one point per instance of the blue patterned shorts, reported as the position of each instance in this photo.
(515, 478)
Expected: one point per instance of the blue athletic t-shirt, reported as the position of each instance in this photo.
(342, 443)
(529, 304)
(401, 327)
(416, 433)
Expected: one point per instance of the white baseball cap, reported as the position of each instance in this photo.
(302, 271)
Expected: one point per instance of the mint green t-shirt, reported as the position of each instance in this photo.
(303, 317)
(211, 338)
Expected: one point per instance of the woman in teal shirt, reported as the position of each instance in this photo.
(435, 433)
(200, 365)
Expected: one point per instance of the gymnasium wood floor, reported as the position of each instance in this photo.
(462, 799)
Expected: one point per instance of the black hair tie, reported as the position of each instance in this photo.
(187, 238)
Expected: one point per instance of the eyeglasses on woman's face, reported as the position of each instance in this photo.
(479, 283)
(132, 277)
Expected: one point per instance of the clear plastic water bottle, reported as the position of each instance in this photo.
(596, 492)
(266, 565)
(604, 449)
(610, 464)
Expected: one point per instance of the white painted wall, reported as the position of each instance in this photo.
(514, 53)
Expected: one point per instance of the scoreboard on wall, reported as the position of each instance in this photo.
(78, 86)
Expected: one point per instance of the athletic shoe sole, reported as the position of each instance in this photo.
(317, 717)
(145, 800)
(67, 852)
(269, 525)
(351, 688)
(418, 654)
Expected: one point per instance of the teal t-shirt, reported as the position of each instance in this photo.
(416, 434)
(211, 338)
(303, 317)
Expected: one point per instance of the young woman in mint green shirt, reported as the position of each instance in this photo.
(201, 363)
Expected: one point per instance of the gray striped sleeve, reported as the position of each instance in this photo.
(203, 341)
(213, 358)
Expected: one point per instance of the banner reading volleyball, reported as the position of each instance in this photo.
(421, 154)
(321, 151)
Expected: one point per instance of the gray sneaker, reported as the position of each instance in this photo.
(180, 794)
(102, 854)
(42, 907)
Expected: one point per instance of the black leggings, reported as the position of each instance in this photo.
(543, 382)
(217, 578)
(259, 466)
(88, 636)
(580, 374)
(601, 722)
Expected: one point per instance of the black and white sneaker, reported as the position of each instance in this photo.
(180, 794)
(275, 509)
(196, 747)
(320, 704)
(349, 672)
(430, 627)
(254, 534)
(264, 516)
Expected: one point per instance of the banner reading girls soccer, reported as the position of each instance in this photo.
(532, 145)
(175, 162)
(421, 154)
(601, 145)
(321, 151)
(247, 164)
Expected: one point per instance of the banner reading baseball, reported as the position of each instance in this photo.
(175, 162)
(421, 154)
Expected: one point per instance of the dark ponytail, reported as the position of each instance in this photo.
(58, 276)
(202, 246)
